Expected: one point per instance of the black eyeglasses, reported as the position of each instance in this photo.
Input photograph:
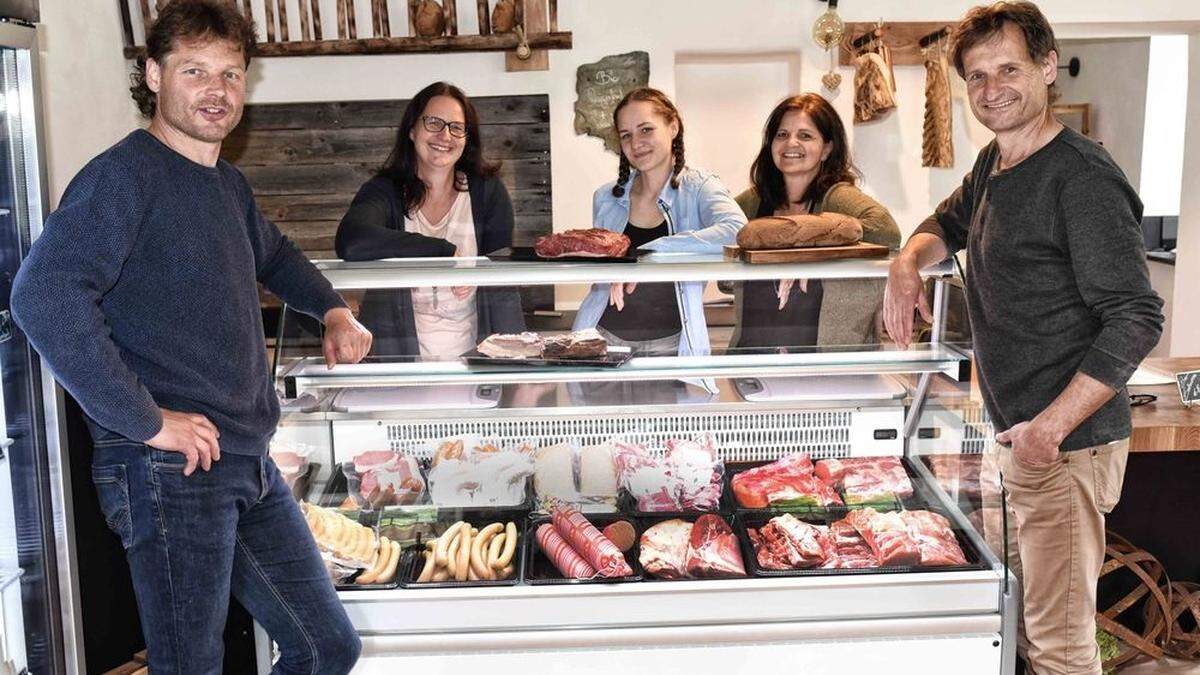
(1136, 400)
(434, 125)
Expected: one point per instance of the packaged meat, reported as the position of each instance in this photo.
(787, 543)
(527, 345)
(687, 477)
(346, 546)
(591, 243)
(589, 542)
(564, 558)
(597, 473)
(934, 538)
(779, 232)
(850, 550)
(713, 549)
(583, 477)
(470, 472)
(786, 482)
(867, 480)
(580, 344)
(385, 478)
(664, 549)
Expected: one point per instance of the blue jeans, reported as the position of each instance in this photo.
(193, 540)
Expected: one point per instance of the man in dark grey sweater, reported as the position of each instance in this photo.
(141, 296)
(1061, 312)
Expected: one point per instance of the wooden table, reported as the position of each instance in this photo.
(1165, 425)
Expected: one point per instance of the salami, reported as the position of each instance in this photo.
(589, 542)
(560, 553)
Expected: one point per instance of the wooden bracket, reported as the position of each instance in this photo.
(534, 16)
(902, 38)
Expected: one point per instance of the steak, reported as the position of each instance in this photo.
(867, 480)
(786, 481)
(713, 549)
(593, 243)
(887, 535)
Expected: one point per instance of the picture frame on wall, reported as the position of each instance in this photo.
(1078, 116)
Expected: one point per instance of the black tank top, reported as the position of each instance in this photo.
(651, 310)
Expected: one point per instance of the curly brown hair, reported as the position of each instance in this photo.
(199, 20)
(667, 110)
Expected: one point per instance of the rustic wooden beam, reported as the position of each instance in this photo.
(126, 22)
(305, 33)
(532, 14)
(485, 22)
(450, 8)
(386, 20)
(269, 11)
(318, 32)
(412, 18)
(283, 26)
(147, 20)
(553, 16)
(350, 21)
(401, 45)
(341, 19)
(247, 10)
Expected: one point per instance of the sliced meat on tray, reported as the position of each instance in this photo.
(867, 480)
(934, 538)
(593, 243)
(786, 543)
(664, 549)
(850, 549)
(887, 535)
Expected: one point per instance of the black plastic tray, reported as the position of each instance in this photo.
(394, 583)
(615, 358)
(646, 523)
(528, 254)
(539, 571)
(415, 562)
(743, 522)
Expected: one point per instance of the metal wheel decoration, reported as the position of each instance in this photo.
(1183, 641)
(1150, 586)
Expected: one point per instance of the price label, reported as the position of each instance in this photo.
(1189, 387)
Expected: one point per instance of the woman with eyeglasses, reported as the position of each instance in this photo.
(435, 197)
(804, 167)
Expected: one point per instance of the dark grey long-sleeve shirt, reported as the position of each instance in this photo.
(1056, 280)
(141, 293)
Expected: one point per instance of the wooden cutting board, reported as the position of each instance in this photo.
(812, 254)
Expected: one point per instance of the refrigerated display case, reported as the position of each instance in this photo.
(755, 404)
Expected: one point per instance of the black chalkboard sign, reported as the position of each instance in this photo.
(1189, 387)
(600, 86)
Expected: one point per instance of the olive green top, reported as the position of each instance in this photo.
(850, 306)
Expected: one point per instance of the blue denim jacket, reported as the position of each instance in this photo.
(701, 216)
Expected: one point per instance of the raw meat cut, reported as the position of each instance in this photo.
(959, 475)
(687, 478)
(589, 543)
(850, 550)
(580, 344)
(593, 243)
(387, 478)
(788, 481)
(867, 480)
(786, 543)
(887, 535)
(713, 549)
(527, 345)
(561, 555)
(664, 549)
(934, 537)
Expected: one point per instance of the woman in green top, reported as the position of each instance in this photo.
(804, 167)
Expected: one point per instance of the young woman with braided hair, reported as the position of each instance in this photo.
(661, 205)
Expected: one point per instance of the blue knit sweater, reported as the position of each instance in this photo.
(140, 294)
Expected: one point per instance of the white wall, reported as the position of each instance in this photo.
(1112, 79)
(1185, 329)
(1166, 117)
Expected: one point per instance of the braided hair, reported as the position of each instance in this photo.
(665, 109)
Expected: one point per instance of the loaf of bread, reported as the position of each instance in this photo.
(775, 232)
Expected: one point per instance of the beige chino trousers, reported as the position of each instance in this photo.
(1056, 548)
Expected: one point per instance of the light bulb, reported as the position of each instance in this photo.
(829, 28)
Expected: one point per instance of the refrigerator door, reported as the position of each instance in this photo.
(33, 618)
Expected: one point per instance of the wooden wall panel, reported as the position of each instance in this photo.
(306, 161)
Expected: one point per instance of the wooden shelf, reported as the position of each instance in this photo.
(399, 45)
(900, 37)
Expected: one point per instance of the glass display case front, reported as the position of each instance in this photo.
(557, 438)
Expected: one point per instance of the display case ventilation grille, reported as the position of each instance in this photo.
(741, 437)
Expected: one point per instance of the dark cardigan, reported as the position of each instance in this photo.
(373, 228)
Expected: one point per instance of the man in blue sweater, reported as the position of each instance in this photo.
(140, 294)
